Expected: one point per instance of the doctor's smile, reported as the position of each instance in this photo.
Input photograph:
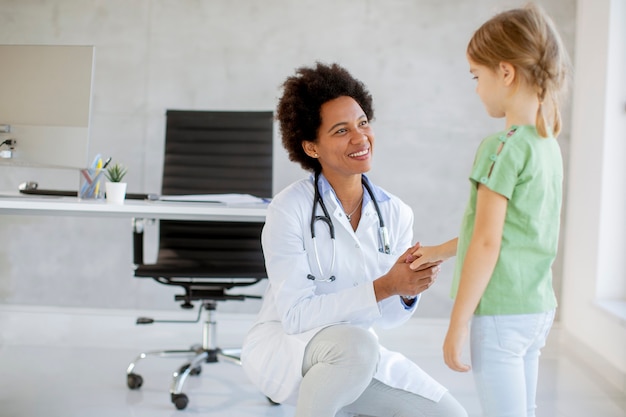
(362, 153)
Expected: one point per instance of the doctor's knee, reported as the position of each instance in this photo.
(348, 346)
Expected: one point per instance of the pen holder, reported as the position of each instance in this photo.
(91, 184)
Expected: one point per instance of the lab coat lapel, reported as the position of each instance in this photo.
(368, 219)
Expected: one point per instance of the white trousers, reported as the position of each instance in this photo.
(505, 361)
(338, 369)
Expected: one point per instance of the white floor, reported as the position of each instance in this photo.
(72, 363)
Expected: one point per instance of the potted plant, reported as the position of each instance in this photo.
(115, 188)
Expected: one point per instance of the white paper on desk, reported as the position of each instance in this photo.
(215, 198)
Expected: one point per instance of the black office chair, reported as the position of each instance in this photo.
(208, 152)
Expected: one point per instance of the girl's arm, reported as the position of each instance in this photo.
(480, 260)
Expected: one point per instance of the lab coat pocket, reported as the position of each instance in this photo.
(386, 261)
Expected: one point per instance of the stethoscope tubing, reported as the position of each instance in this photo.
(331, 227)
(318, 200)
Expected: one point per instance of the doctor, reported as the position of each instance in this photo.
(336, 249)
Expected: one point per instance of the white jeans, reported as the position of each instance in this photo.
(505, 353)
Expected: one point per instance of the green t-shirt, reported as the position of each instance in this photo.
(528, 171)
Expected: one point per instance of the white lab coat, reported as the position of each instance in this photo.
(295, 308)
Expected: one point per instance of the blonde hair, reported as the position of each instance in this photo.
(527, 39)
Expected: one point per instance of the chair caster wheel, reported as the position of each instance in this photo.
(272, 402)
(195, 371)
(134, 381)
(180, 401)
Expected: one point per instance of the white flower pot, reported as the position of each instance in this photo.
(115, 192)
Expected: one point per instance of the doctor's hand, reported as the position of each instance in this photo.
(404, 281)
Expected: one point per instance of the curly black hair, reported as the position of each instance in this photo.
(304, 93)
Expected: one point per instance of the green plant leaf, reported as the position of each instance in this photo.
(116, 173)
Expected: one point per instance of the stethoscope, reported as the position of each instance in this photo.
(383, 236)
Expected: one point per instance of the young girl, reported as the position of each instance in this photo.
(509, 234)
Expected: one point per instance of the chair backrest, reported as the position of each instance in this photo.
(215, 152)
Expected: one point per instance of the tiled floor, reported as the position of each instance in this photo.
(72, 363)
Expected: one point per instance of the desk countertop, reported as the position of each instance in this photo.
(15, 203)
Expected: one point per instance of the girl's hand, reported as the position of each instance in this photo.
(424, 254)
(421, 255)
(453, 346)
(404, 281)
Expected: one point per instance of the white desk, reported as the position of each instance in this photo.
(14, 203)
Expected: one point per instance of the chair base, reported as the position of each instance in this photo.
(192, 367)
(208, 352)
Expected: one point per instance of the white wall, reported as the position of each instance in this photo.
(152, 55)
(594, 272)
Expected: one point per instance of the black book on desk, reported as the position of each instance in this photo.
(69, 193)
